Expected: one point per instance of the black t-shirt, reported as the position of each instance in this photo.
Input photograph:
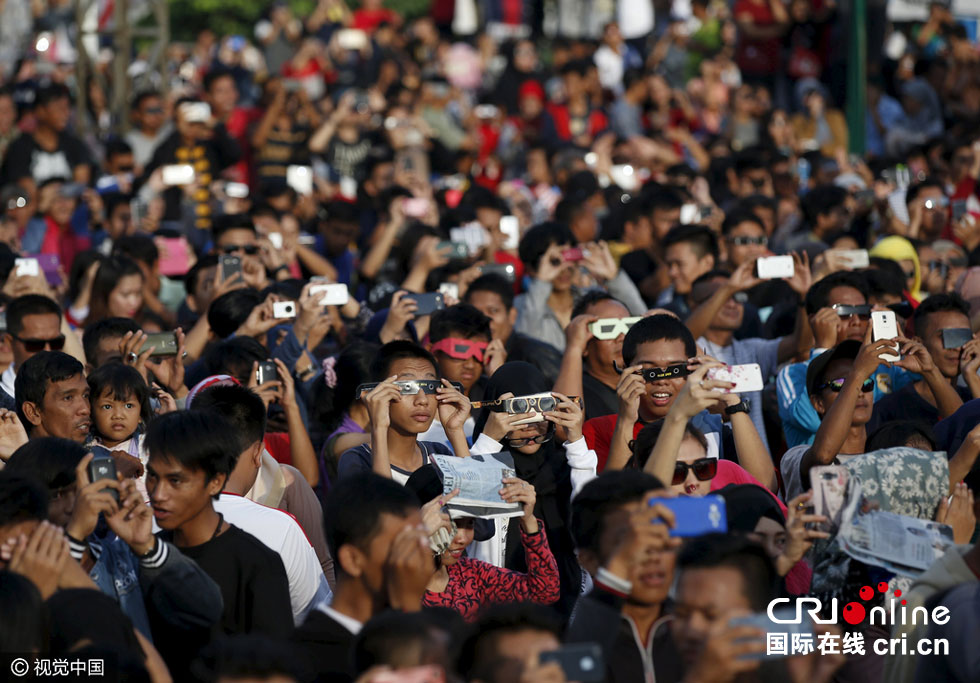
(253, 583)
(599, 399)
(25, 158)
(906, 404)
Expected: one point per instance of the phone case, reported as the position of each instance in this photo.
(428, 303)
(267, 372)
(581, 662)
(163, 343)
(884, 326)
(747, 377)
(696, 516)
(103, 467)
(230, 266)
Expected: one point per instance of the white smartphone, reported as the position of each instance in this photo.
(26, 267)
(300, 178)
(196, 112)
(352, 39)
(746, 377)
(177, 175)
(449, 290)
(333, 295)
(774, 267)
(884, 326)
(855, 259)
(284, 309)
(236, 190)
(275, 238)
(512, 232)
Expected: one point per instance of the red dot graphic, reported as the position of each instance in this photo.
(904, 602)
(898, 593)
(854, 613)
(866, 593)
(882, 587)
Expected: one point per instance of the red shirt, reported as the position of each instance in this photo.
(368, 20)
(757, 56)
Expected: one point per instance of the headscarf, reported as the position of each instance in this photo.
(898, 248)
(746, 504)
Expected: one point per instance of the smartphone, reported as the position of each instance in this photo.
(282, 310)
(196, 112)
(785, 626)
(580, 661)
(3, 321)
(300, 178)
(747, 377)
(415, 207)
(956, 337)
(511, 228)
(49, 264)
(573, 254)
(690, 214)
(505, 270)
(163, 343)
(855, 259)
(275, 239)
(177, 175)
(958, 208)
(449, 289)
(774, 267)
(26, 267)
(428, 303)
(174, 255)
(236, 190)
(230, 266)
(458, 251)
(485, 111)
(102, 466)
(351, 39)
(885, 326)
(696, 516)
(333, 294)
(266, 372)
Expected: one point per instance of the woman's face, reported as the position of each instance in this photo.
(771, 535)
(126, 298)
(528, 431)
(463, 537)
(691, 450)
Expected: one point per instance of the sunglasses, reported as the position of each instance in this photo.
(250, 249)
(653, 374)
(36, 345)
(703, 468)
(746, 241)
(536, 403)
(903, 309)
(410, 387)
(843, 310)
(610, 328)
(461, 349)
(835, 385)
(540, 438)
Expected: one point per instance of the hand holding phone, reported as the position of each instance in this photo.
(427, 303)
(747, 377)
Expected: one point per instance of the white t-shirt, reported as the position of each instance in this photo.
(789, 467)
(278, 530)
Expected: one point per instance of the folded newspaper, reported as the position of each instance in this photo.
(479, 480)
(901, 544)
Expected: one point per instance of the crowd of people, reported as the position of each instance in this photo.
(243, 323)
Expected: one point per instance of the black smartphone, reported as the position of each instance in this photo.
(163, 343)
(505, 270)
(958, 208)
(102, 466)
(428, 303)
(580, 661)
(230, 266)
(267, 372)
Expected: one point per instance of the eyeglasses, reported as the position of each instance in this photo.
(153, 110)
(746, 241)
(843, 310)
(544, 437)
(835, 385)
(903, 309)
(703, 468)
(37, 345)
(461, 349)
(410, 387)
(610, 328)
(535, 403)
(653, 374)
(250, 249)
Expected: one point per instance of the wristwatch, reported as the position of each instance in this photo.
(740, 407)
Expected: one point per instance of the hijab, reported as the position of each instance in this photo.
(746, 504)
(898, 248)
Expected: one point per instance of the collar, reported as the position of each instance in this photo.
(7, 379)
(349, 623)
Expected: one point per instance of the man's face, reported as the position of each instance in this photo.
(36, 327)
(203, 293)
(730, 316)
(106, 351)
(121, 163)
(338, 235)
(465, 371)
(933, 212)
(223, 96)
(62, 208)
(639, 234)
(513, 650)
(237, 242)
(654, 575)
(738, 251)
(833, 219)
(413, 413)
(65, 410)
(55, 114)
(150, 114)
(8, 113)
(663, 220)
(491, 305)
(755, 181)
(685, 266)
(660, 394)
(704, 597)
(376, 554)
(947, 360)
(178, 494)
(601, 353)
(825, 397)
(121, 221)
(854, 326)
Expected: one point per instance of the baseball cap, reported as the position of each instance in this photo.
(847, 349)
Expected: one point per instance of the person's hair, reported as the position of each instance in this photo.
(900, 433)
(29, 304)
(231, 221)
(818, 295)
(657, 197)
(230, 310)
(242, 656)
(120, 381)
(820, 200)
(495, 284)
(938, 303)
(141, 97)
(397, 350)
(48, 460)
(915, 189)
(78, 273)
(192, 279)
(352, 511)
(882, 281)
(22, 628)
(138, 247)
(50, 93)
(701, 238)
(737, 218)
(352, 368)
(749, 559)
(654, 328)
(537, 240)
(603, 495)
(712, 274)
(111, 271)
(197, 439)
(631, 77)
(397, 639)
(102, 329)
(22, 499)
(213, 74)
(592, 296)
(479, 652)
(751, 159)
(36, 373)
(235, 357)
(646, 440)
(115, 146)
(241, 406)
(463, 320)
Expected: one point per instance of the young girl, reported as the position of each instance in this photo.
(120, 403)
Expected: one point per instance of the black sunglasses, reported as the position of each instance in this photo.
(843, 310)
(37, 345)
(703, 468)
(250, 249)
(835, 385)
(745, 241)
